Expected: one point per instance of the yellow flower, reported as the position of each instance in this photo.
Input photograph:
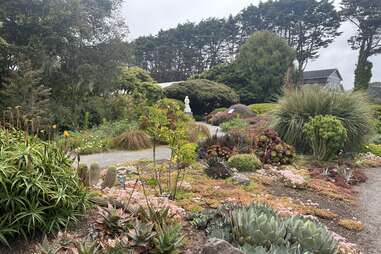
(54, 126)
(66, 134)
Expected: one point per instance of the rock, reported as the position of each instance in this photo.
(214, 246)
(292, 180)
(125, 170)
(241, 179)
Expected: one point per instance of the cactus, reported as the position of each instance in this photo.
(110, 178)
(94, 173)
(83, 173)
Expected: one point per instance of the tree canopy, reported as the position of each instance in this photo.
(190, 48)
(259, 70)
(366, 16)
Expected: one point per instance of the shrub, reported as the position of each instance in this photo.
(39, 190)
(204, 95)
(197, 132)
(245, 162)
(235, 123)
(262, 108)
(326, 135)
(133, 140)
(374, 148)
(272, 150)
(296, 108)
(98, 139)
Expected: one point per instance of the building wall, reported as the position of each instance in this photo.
(334, 81)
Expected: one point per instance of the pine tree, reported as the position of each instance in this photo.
(24, 89)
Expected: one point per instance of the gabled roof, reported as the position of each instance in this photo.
(320, 74)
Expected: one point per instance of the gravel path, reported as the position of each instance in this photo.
(116, 157)
(370, 212)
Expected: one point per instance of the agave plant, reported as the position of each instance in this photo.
(87, 248)
(169, 239)
(113, 221)
(160, 217)
(141, 234)
(311, 236)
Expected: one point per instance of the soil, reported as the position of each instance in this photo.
(342, 209)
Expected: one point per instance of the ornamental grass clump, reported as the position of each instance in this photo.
(133, 140)
(326, 136)
(40, 192)
(297, 107)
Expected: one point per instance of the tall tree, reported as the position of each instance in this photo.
(24, 89)
(366, 16)
(307, 25)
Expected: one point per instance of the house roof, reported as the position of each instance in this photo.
(320, 74)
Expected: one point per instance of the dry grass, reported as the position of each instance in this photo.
(133, 140)
(197, 132)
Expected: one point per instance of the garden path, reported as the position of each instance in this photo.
(370, 212)
(117, 157)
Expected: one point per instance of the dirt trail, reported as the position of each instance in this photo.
(370, 212)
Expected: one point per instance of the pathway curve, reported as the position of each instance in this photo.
(370, 212)
(116, 157)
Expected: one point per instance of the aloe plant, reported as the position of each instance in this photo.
(141, 234)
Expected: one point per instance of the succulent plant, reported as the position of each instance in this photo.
(272, 150)
(311, 236)
(141, 234)
(169, 239)
(94, 173)
(257, 225)
(83, 173)
(87, 248)
(110, 178)
(160, 217)
(112, 221)
(218, 168)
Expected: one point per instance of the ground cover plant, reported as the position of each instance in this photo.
(297, 106)
(39, 190)
(262, 108)
(97, 139)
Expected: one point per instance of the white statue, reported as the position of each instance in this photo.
(187, 109)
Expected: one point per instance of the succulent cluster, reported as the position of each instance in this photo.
(272, 150)
(145, 231)
(217, 168)
(258, 229)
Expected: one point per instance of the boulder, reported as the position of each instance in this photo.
(214, 246)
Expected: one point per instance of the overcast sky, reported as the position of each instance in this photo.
(146, 17)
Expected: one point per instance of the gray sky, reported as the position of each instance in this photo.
(146, 17)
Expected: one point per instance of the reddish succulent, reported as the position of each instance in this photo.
(272, 150)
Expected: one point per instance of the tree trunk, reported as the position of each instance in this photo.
(363, 72)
